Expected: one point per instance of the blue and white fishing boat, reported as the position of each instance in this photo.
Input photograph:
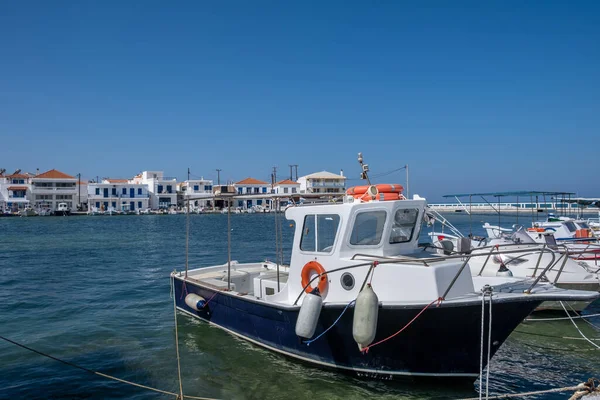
(361, 296)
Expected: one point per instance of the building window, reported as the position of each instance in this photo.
(97, 191)
(197, 188)
(139, 191)
(124, 190)
(208, 188)
(293, 190)
(259, 202)
(139, 204)
(240, 190)
(285, 190)
(114, 204)
(240, 203)
(169, 189)
(264, 190)
(160, 188)
(97, 204)
(256, 190)
(114, 191)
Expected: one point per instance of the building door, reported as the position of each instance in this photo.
(248, 203)
(132, 205)
(105, 192)
(131, 192)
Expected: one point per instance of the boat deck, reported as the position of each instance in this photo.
(253, 279)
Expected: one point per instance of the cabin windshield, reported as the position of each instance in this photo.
(521, 236)
(583, 225)
(403, 228)
(319, 232)
(570, 226)
(368, 228)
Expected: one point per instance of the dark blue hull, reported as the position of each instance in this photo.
(444, 341)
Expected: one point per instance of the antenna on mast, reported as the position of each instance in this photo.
(365, 169)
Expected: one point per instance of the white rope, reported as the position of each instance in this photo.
(487, 376)
(584, 320)
(511, 395)
(576, 327)
(563, 318)
(481, 347)
(177, 344)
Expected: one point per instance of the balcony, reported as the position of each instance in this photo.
(326, 184)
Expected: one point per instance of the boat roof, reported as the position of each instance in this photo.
(512, 194)
(583, 201)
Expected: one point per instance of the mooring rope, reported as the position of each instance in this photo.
(579, 330)
(581, 389)
(489, 349)
(562, 318)
(177, 395)
(584, 320)
(308, 342)
(177, 347)
(366, 348)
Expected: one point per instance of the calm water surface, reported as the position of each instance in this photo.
(95, 291)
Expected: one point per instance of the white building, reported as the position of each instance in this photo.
(196, 188)
(287, 187)
(117, 195)
(53, 187)
(322, 182)
(15, 191)
(162, 190)
(252, 186)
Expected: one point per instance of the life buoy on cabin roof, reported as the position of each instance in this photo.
(382, 188)
(312, 268)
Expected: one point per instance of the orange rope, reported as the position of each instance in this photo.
(366, 349)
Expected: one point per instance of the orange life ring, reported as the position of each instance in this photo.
(313, 266)
(381, 188)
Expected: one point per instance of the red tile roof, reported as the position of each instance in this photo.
(117, 180)
(13, 188)
(54, 174)
(18, 176)
(251, 181)
(287, 182)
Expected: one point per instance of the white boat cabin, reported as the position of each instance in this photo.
(352, 234)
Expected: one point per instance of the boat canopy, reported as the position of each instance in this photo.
(523, 193)
(583, 201)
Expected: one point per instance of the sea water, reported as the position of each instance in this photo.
(95, 291)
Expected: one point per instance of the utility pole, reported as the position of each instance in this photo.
(218, 176)
(407, 193)
(188, 175)
(274, 174)
(291, 175)
(79, 188)
(296, 168)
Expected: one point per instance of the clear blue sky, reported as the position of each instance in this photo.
(474, 96)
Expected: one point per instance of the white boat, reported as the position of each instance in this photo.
(515, 253)
(28, 212)
(62, 209)
(361, 296)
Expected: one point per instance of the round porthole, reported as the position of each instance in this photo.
(347, 281)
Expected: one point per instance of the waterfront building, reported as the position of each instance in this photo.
(196, 188)
(252, 186)
(162, 190)
(119, 195)
(322, 182)
(15, 191)
(52, 188)
(286, 187)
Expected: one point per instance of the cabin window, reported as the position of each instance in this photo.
(368, 228)
(570, 226)
(319, 232)
(403, 228)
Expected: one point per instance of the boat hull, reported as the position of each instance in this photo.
(443, 342)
